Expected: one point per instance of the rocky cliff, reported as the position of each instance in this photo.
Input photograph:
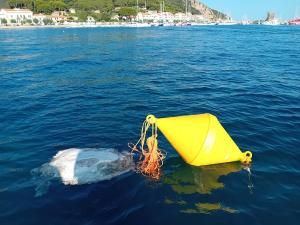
(207, 11)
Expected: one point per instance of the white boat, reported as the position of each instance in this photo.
(273, 22)
(199, 24)
(138, 25)
(244, 22)
(227, 23)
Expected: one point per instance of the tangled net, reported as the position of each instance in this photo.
(151, 158)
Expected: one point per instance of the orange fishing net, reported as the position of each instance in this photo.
(151, 158)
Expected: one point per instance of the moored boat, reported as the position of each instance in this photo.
(294, 22)
(273, 22)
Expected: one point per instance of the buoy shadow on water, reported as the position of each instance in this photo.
(187, 180)
(81, 166)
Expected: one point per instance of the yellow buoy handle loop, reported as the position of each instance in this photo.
(151, 119)
(246, 157)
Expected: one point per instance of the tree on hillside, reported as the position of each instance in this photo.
(102, 5)
(39, 5)
(35, 20)
(58, 5)
(121, 3)
(3, 21)
(127, 12)
(20, 3)
(42, 7)
(47, 21)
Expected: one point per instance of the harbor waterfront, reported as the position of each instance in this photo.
(92, 88)
(24, 18)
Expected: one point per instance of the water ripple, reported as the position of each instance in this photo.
(93, 88)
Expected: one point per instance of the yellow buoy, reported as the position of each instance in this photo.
(200, 139)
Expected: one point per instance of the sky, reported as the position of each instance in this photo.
(256, 9)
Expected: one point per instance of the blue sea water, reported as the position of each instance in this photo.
(93, 87)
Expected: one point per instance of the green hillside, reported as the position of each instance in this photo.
(102, 5)
(106, 7)
(3, 3)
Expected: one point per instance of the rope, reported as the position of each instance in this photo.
(151, 158)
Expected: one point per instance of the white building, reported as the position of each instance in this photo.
(90, 20)
(199, 18)
(16, 15)
(183, 17)
(148, 16)
(58, 17)
(72, 10)
(115, 17)
(167, 17)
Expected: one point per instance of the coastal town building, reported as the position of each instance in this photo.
(25, 17)
(183, 17)
(167, 17)
(72, 10)
(16, 16)
(21, 16)
(58, 16)
(115, 17)
(90, 20)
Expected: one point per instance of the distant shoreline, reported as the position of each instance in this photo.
(76, 26)
(125, 25)
(134, 25)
